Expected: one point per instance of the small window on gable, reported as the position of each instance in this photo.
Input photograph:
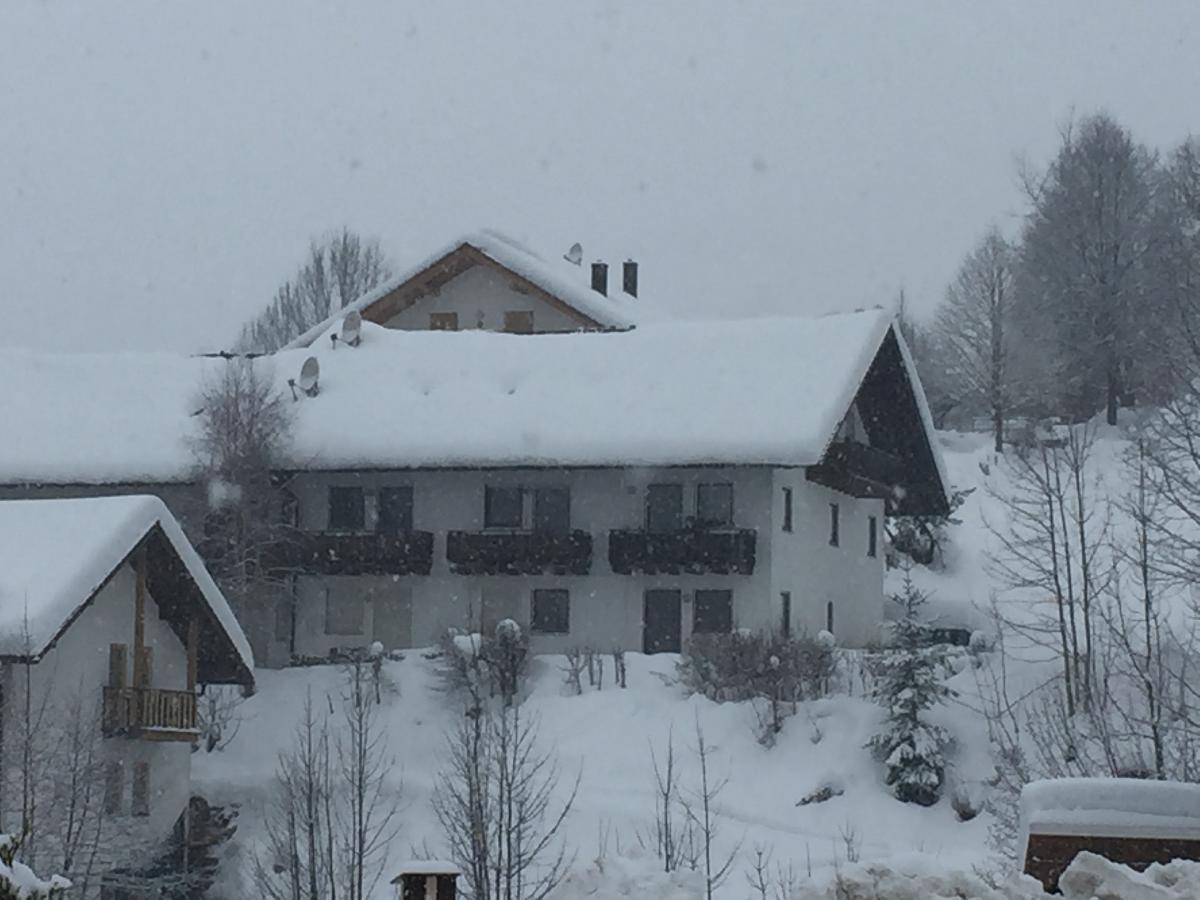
(443, 321)
(872, 536)
(787, 509)
(347, 511)
(503, 507)
(785, 613)
(518, 321)
(714, 505)
(550, 612)
(829, 617)
(395, 510)
(834, 525)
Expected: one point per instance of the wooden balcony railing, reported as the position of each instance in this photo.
(150, 713)
(692, 550)
(519, 553)
(367, 553)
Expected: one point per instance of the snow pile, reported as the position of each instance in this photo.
(18, 878)
(1114, 807)
(55, 554)
(1092, 877)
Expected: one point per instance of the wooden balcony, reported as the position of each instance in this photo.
(366, 553)
(694, 551)
(150, 714)
(860, 470)
(519, 552)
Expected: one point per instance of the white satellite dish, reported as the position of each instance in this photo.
(352, 328)
(575, 255)
(309, 375)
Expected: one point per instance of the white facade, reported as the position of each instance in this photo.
(605, 608)
(70, 677)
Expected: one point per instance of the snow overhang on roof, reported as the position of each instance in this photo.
(56, 555)
(560, 279)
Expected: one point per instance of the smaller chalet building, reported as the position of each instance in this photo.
(107, 611)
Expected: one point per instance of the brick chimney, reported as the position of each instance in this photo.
(629, 276)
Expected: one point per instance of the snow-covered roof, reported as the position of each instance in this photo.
(567, 282)
(1111, 807)
(426, 867)
(732, 392)
(56, 554)
(769, 391)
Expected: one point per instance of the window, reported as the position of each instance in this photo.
(829, 617)
(114, 788)
(787, 509)
(346, 509)
(664, 507)
(395, 510)
(785, 619)
(443, 321)
(872, 536)
(141, 789)
(345, 607)
(551, 612)
(283, 619)
(714, 505)
(552, 510)
(713, 613)
(502, 507)
(833, 524)
(518, 322)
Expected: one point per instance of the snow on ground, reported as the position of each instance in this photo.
(606, 736)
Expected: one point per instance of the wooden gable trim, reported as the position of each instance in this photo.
(459, 260)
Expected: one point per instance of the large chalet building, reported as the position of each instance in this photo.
(604, 480)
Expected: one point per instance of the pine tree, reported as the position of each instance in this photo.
(911, 748)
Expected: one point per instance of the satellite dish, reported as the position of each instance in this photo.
(309, 373)
(352, 328)
(575, 255)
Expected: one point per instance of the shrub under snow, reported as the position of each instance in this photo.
(18, 882)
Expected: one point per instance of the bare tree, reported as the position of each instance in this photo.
(970, 333)
(340, 268)
(243, 428)
(703, 814)
(496, 803)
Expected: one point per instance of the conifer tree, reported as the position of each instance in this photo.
(911, 748)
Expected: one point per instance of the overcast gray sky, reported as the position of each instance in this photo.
(164, 165)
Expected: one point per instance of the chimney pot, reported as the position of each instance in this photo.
(629, 277)
(600, 277)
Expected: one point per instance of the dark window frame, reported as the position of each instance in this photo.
(787, 510)
(405, 522)
(490, 512)
(703, 626)
(829, 616)
(675, 486)
(785, 618)
(542, 522)
(872, 536)
(553, 620)
(724, 521)
(355, 522)
(835, 525)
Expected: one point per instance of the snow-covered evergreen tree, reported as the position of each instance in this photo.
(912, 749)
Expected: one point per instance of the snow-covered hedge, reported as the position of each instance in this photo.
(18, 882)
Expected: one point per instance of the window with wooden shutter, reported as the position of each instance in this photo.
(141, 789)
(114, 788)
(834, 525)
(443, 321)
(518, 322)
(118, 665)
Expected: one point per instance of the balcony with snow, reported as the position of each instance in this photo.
(535, 552)
(692, 550)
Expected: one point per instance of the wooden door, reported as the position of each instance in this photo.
(662, 622)
(391, 616)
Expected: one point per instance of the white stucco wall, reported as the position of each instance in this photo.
(605, 608)
(816, 573)
(481, 296)
(77, 669)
